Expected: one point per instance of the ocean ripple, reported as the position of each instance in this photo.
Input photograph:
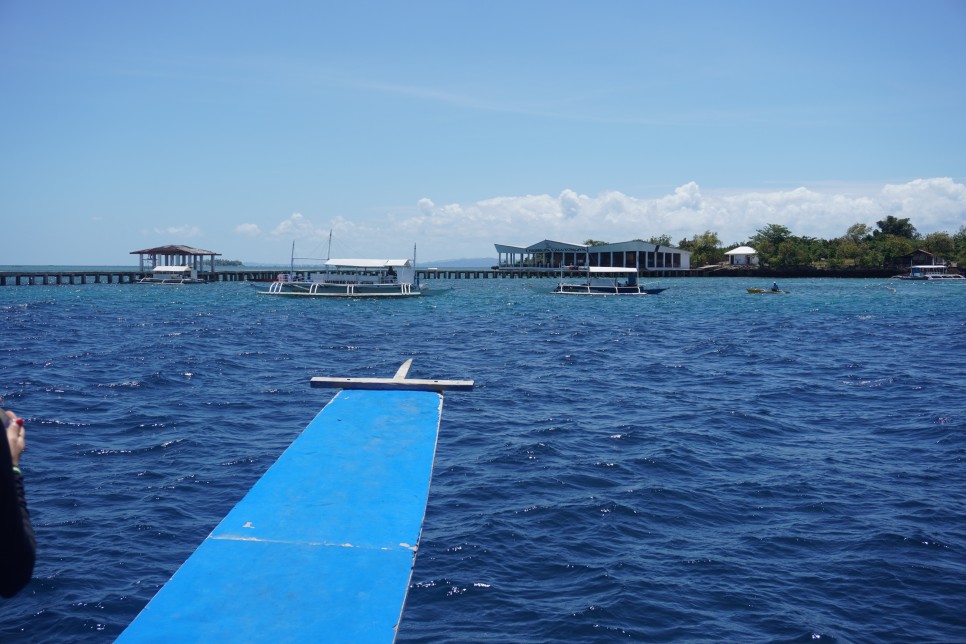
(703, 465)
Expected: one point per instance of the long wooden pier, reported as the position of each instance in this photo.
(29, 278)
(25, 277)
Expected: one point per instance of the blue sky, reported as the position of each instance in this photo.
(242, 126)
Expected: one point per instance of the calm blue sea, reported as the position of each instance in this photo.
(702, 465)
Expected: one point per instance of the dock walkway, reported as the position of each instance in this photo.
(73, 277)
(26, 278)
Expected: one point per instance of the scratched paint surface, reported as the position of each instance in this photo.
(324, 543)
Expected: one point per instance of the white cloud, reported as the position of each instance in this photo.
(349, 238)
(248, 230)
(179, 231)
(467, 229)
(930, 204)
(298, 226)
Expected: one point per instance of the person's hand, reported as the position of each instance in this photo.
(15, 437)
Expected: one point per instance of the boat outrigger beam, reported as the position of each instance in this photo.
(399, 382)
(322, 547)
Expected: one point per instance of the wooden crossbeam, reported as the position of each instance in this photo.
(398, 382)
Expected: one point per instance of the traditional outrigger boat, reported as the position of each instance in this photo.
(931, 273)
(353, 278)
(606, 280)
(167, 275)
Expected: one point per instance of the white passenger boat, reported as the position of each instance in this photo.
(353, 278)
(930, 272)
(606, 280)
(167, 275)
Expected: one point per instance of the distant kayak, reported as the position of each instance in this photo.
(768, 290)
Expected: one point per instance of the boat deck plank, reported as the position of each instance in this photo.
(323, 544)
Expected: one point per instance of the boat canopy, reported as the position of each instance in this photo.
(367, 263)
(171, 269)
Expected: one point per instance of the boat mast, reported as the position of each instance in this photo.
(415, 270)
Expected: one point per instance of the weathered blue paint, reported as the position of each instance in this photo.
(322, 546)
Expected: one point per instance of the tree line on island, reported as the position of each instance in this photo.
(861, 246)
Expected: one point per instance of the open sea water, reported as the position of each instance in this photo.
(701, 465)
